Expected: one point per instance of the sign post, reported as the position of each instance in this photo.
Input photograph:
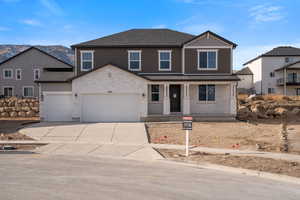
(187, 125)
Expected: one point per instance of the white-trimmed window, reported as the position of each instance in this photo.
(18, 74)
(87, 60)
(271, 90)
(207, 59)
(28, 91)
(154, 93)
(134, 60)
(207, 93)
(8, 91)
(36, 74)
(7, 73)
(164, 60)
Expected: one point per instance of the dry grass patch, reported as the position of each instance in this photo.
(246, 162)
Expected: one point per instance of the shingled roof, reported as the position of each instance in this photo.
(279, 51)
(244, 71)
(140, 38)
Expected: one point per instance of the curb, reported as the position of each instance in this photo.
(247, 172)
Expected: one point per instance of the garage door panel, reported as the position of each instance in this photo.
(110, 107)
(58, 107)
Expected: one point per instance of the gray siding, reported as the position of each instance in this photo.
(224, 62)
(119, 57)
(28, 61)
(56, 87)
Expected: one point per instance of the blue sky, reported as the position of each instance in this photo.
(255, 25)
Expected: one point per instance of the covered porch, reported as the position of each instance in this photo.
(289, 79)
(204, 100)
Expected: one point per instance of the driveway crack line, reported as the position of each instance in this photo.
(81, 132)
(113, 133)
(133, 151)
(99, 146)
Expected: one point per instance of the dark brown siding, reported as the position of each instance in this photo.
(224, 62)
(119, 56)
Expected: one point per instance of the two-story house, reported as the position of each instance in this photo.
(277, 71)
(145, 73)
(19, 72)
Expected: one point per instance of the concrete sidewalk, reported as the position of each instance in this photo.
(282, 156)
(145, 153)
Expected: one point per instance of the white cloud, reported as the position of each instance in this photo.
(2, 28)
(31, 22)
(244, 54)
(52, 6)
(200, 28)
(160, 26)
(266, 13)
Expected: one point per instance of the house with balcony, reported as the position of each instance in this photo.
(143, 74)
(277, 71)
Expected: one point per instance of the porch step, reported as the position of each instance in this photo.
(195, 118)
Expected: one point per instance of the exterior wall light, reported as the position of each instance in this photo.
(75, 95)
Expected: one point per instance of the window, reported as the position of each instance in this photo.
(134, 60)
(207, 59)
(292, 77)
(8, 91)
(271, 90)
(36, 74)
(28, 91)
(288, 59)
(272, 74)
(154, 93)
(164, 60)
(18, 74)
(87, 60)
(206, 93)
(298, 91)
(7, 73)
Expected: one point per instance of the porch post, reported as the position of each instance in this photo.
(186, 99)
(233, 98)
(284, 82)
(166, 100)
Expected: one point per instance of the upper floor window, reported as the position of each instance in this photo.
(36, 74)
(207, 59)
(134, 60)
(7, 73)
(154, 93)
(18, 74)
(87, 60)
(272, 74)
(164, 60)
(288, 59)
(206, 93)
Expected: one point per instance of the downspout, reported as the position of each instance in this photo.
(183, 59)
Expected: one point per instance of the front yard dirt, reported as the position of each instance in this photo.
(246, 162)
(232, 135)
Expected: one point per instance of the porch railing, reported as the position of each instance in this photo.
(280, 81)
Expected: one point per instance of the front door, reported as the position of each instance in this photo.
(175, 98)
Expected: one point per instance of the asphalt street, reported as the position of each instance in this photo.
(40, 176)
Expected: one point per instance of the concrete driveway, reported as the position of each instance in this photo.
(93, 133)
(122, 140)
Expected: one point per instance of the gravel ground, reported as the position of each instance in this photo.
(246, 162)
(233, 135)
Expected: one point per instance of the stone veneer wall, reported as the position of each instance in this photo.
(15, 107)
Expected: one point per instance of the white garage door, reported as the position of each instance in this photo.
(58, 107)
(110, 108)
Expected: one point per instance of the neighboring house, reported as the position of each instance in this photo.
(245, 85)
(277, 71)
(19, 72)
(145, 73)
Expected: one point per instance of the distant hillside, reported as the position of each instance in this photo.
(61, 52)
